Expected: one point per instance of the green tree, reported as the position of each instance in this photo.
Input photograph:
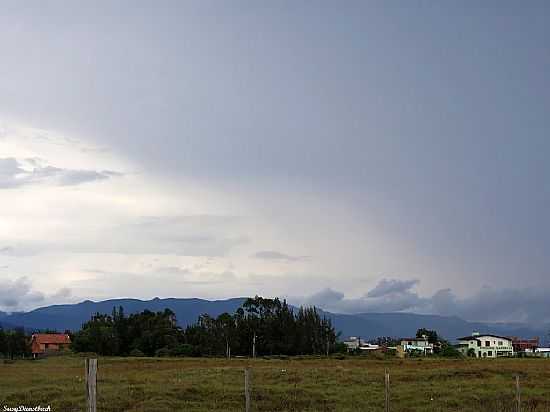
(430, 334)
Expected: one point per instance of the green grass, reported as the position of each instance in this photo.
(353, 384)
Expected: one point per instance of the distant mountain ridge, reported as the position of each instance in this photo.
(365, 325)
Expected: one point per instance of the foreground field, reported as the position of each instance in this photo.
(354, 384)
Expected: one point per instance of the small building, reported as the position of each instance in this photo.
(354, 343)
(524, 345)
(369, 347)
(538, 352)
(485, 346)
(44, 343)
(415, 346)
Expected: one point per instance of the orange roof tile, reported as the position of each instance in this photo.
(56, 338)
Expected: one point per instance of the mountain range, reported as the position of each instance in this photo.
(365, 325)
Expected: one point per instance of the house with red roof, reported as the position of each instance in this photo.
(44, 343)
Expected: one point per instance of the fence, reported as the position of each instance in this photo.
(276, 384)
(91, 371)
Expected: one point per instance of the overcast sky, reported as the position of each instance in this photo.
(361, 156)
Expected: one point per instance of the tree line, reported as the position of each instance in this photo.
(14, 344)
(259, 327)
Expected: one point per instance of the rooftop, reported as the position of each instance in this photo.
(55, 338)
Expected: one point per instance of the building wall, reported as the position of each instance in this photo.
(497, 347)
(415, 346)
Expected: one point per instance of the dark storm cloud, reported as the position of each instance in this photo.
(530, 305)
(13, 174)
(387, 296)
(273, 255)
(389, 110)
(458, 174)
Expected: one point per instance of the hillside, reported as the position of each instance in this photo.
(366, 325)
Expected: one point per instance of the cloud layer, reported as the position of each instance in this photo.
(15, 173)
(272, 255)
(530, 305)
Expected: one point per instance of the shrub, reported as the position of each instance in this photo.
(449, 351)
(136, 353)
(162, 352)
(183, 350)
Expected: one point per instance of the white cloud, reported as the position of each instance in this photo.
(391, 286)
(277, 256)
(17, 294)
(21, 294)
(13, 174)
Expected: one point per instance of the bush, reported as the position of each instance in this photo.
(137, 353)
(449, 351)
(162, 352)
(340, 347)
(183, 350)
(376, 354)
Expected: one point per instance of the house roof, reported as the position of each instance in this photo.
(476, 337)
(55, 338)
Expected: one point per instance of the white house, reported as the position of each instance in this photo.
(485, 346)
(354, 343)
(369, 347)
(416, 345)
(538, 352)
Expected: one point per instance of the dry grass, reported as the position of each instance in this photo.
(144, 384)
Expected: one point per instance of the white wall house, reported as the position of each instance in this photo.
(354, 343)
(538, 352)
(417, 345)
(485, 346)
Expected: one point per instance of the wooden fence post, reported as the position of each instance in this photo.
(91, 385)
(254, 346)
(518, 395)
(247, 388)
(386, 391)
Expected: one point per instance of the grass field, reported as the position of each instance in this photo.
(353, 384)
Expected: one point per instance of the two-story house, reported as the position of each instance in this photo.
(485, 346)
(410, 346)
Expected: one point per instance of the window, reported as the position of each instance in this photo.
(490, 353)
(478, 343)
(487, 343)
(499, 343)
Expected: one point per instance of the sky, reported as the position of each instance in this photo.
(360, 156)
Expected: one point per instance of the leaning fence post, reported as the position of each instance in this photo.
(387, 391)
(91, 384)
(247, 385)
(518, 395)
